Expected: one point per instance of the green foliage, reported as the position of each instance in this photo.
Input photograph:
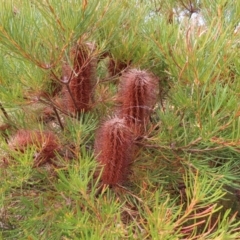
(185, 173)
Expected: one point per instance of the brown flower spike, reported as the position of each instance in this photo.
(137, 95)
(46, 144)
(113, 149)
(79, 93)
(115, 67)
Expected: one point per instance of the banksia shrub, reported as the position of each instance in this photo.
(113, 149)
(137, 95)
(78, 79)
(46, 144)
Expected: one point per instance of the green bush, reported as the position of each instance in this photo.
(184, 177)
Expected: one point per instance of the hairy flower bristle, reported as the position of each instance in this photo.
(113, 149)
(79, 93)
(46, 144)
(137, 95)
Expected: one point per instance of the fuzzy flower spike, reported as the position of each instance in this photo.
(137, 96)
(113, 149)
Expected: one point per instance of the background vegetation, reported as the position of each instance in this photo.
(184, 181)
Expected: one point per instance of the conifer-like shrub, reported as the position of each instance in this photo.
(46, 144)
(137, 96)
(79, 77)
(113, 150)
(166, 165)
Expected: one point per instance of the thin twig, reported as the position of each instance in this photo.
(58, 118)
(4, 112)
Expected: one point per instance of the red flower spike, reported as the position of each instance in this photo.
(113, 149)
(137, 96)
(46, 144)
(80, 77)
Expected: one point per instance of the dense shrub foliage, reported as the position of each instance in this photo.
(119, 119)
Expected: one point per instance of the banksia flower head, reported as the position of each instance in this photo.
(115, 67)
(137, 95)
(46, 144)
(79, 78)
(113, 149)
